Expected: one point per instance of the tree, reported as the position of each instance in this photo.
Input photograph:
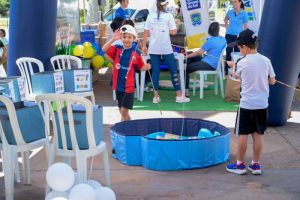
(4, 7)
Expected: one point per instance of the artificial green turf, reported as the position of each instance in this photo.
(210, 101)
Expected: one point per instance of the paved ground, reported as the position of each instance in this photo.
(281, 162)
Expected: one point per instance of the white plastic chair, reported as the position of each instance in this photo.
(25, 65)
(64, 62)
(218, 74)
(10, 150)
(80, 155)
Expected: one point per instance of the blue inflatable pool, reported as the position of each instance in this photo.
(131, 147)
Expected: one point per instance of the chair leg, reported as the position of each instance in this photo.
(137, 86)
(142, 86)
(194, 84)
(221, 85)
(201, 80)
(81, 161)
(216, 84)
(26, 167)
(93, 98)
(8, 162)
(17, 169)
(106, 168)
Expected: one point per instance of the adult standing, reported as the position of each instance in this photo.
(3, 49)
(122, 11)
(159, 26)
(238, 20)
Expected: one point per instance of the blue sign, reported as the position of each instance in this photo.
(196, 19)
(193, 4)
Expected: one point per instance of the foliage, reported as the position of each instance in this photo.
(4, 7)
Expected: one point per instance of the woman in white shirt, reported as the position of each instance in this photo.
(158, 27)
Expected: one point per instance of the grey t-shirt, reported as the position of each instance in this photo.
(254, 71)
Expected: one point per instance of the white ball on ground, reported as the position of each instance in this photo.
(60, 177)
(94, 184)
(105, 193)
(57, 196)
(82, 192)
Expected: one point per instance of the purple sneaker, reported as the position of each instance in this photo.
(237, 169)
(255, 169)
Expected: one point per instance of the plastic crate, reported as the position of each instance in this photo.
(87, 36)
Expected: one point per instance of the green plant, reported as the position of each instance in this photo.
(4, 7)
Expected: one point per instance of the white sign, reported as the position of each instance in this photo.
(254, 11)
(196, 21)
(12, 91)
(22, 91)
(58, 82)
(82, 80)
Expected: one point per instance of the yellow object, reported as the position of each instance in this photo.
(110, 65)
(196, 41)
(87, 44)
(78, 50)
(88, 52)
(97, 61)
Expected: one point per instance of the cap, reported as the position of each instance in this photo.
(164, 2)
(128, 29)
(246, 37)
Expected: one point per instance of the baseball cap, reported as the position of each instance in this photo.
(164, 2)
(128, 29)
(246, 37)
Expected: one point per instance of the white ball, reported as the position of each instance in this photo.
(60, 177)
(57, 196)
(105, 193)
(94, 184)
(82, 191)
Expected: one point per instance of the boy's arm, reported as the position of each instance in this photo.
(146, 67)
(116, 36)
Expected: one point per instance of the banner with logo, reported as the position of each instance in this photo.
(254, 10)
(196, 21)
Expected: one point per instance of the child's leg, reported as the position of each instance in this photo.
(242, 147)
(124, 114)
(257, 146)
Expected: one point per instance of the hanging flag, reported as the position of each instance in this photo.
(196, 21)
(254, 11)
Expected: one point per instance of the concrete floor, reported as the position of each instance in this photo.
(280, 160)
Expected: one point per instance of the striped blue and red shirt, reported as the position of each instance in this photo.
(126, 61)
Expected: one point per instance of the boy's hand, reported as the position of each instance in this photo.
(230, 64)
(148, 66)
(117, 35)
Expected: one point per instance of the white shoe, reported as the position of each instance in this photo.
(156, 99)
(182, 99)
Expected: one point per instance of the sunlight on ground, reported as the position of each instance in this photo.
(295, 117)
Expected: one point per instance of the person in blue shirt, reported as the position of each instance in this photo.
(122, 11)
(3, 49)
(213, 48)
(235, 21)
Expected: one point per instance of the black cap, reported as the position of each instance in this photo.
(246, 37)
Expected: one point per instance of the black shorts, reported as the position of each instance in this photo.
(125, 99)
(250, 121)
